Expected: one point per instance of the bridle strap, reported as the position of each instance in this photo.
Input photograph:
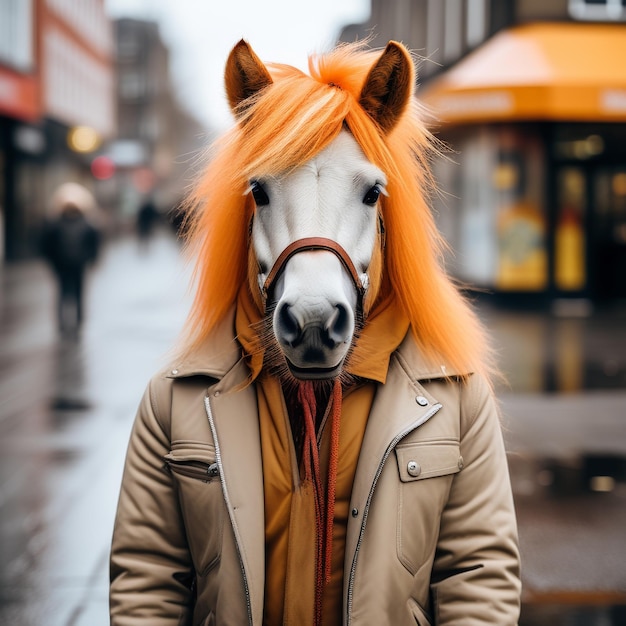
(313, 243)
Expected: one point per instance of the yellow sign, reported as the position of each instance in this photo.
(523, 262)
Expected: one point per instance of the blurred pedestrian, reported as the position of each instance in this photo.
(70, 243)
(147, 218)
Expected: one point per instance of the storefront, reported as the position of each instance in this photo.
(19, 106)
(534, 191)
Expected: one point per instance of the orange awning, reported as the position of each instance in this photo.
(543, 71)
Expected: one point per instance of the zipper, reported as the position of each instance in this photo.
(218, 457)
(193, 469)
(388, 451)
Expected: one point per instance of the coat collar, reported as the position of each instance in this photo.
(419, 368)
(215, 357)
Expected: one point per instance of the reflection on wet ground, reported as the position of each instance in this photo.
(67, 407)
(564, 414)
(561, 353)
(571, 516)
(65, 416)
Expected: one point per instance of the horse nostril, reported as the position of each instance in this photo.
(289, 328)
(337, 328)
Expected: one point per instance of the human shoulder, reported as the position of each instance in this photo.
(421, 368)
(159, 394)
(470, 391)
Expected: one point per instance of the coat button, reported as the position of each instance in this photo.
(413, 468)
(355, 512)
(460, 462)
(421, 400)
(174, 372)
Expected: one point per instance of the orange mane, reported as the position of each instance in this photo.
(283, 127)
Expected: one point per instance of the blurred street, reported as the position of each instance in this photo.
(564, 416)
(65, 413)
(67, 407)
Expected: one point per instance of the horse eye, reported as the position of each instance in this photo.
(259, 194)
(371, 197)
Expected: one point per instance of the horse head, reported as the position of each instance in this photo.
(316, 230)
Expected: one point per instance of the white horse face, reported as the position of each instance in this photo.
(334, 196)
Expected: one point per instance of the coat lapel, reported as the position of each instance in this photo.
(400, 406)
(233, 413)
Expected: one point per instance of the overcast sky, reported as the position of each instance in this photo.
(200, 34)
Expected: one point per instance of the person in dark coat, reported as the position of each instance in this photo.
(70, 244)
(147, 218)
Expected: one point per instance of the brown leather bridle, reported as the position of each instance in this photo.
(316, 243)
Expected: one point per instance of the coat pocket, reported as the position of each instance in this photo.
(189, 465)
(418, 613)
(194, 468)
(207, 621)
(425, 471)
(429, 459)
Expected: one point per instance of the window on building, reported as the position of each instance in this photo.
(453, 32)
(128, 45)
(434, 35)
(131, 86)
(476, 22)
(16, 34)
(598, 9)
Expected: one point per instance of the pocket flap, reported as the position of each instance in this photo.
(430, 459)
(183, 451)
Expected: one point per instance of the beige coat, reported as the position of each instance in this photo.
(431, 538)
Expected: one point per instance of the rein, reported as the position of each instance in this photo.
(316, 243)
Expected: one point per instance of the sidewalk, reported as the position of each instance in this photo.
(564, 418)
(65, 417)
(67, 408)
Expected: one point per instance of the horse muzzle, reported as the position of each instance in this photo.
(315, 316)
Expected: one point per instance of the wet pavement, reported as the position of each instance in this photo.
(66, 408)
(564, 416)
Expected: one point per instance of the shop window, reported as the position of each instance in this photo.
(598, 9)
(518, 181)
(492, 211)
(477, 244)
(569, 236)
(608, 249)
(579, 148)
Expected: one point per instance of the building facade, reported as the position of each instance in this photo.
(20, 104)
(156, 138)
(56, 107)
(87, 100)
(531, 98)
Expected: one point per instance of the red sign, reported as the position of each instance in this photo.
(19, 96)
(103, 167)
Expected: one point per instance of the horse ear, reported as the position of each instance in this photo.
(244, 76)
(388, 86)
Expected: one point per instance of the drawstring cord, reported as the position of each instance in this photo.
(324, 516)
